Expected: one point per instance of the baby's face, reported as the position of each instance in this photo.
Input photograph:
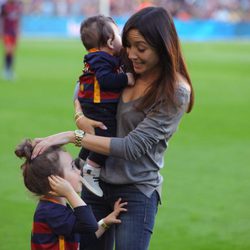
(117, 42)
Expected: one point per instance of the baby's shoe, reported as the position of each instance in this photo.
(91, 179)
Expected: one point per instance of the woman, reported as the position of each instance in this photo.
(148, 114)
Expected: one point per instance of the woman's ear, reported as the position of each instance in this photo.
(110, 43)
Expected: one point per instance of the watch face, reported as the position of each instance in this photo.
(79, 132)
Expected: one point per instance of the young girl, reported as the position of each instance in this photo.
(56, 179)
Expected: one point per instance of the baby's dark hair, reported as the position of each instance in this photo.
(95, 31)
(37, 170)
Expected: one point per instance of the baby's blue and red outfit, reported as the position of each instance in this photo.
(58, 227)
(100, 87)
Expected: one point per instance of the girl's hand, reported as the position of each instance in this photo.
(112, 217)
(86, 124)
(42, 144)
(60, 186)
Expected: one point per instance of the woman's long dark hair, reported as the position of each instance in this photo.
(156, 25)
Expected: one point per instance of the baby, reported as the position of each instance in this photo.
(99, 87)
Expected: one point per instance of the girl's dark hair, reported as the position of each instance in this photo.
(156, 25)
(95, 31)
(37, 170)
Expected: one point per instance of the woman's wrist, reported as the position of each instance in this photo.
(78, 115)
(79, 118)
(79, 134)
(69, 137)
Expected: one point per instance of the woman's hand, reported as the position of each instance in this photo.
(60, 186)
(42, 144)
(112, 217)
(89, 125)
(86, 124)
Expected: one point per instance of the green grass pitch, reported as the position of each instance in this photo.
(206, 201)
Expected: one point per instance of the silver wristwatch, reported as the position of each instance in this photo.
(79, 134)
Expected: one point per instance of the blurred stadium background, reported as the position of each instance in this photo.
(225, 10)
(195, 19)
(206, 190)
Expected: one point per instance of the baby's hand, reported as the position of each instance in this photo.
(118, 208)
(131, 79)
(59, 186)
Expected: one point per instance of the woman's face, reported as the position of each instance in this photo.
(144, 58)
(71, 173)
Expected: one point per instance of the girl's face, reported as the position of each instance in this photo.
(144, 58)
(71, 173)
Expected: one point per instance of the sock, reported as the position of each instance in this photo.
(92, 164)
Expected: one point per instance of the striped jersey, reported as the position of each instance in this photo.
(102, 80)
(58, 227)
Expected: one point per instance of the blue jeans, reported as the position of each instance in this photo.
(135, 231)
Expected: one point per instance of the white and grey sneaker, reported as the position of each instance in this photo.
(91, 179)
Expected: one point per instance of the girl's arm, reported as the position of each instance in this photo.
(81, 221)
(85, 220)
(106, 222)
